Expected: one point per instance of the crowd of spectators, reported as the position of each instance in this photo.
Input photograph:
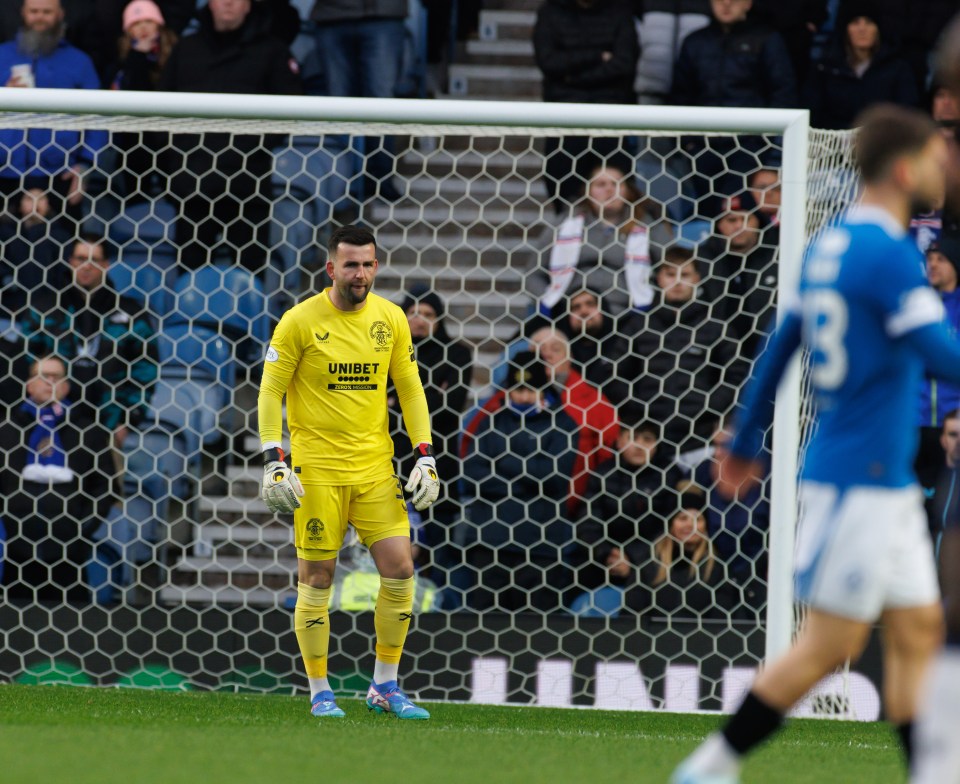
(583, 480)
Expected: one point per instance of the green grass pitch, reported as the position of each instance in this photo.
(79, 735)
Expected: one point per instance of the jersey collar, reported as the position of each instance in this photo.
(878, 216)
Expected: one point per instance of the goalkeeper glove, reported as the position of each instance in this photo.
(281, 490)
(424, 482)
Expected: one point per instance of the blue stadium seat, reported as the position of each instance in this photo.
(692, 232)
(227, 300)
(146, 255)
(602, 602)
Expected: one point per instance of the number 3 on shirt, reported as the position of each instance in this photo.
(826, 319)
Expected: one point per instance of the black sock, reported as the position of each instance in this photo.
(905, 731)
(752, 724)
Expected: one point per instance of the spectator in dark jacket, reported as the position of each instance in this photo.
(142, 53)
(621, 519)
(734, 62)
(683, 368)
(597, 338)
(860, 70)
(937, 397)
(681, 578)
(738, 530)
(942, 497)
(56, 472)
(33, 247)
(517, 472)
(796, 21)
(109, 340)
(913, 27)
(445, 369)
(742, 278)
(587, 50)
(222, 180)
(143, 49)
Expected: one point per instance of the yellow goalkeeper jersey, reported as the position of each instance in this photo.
(333, 366)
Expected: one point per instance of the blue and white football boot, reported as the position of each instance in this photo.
(387, 698)
(324, 706)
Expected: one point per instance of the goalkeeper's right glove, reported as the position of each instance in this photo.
(281, 490)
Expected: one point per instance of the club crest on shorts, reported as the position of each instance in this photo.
(315, 529)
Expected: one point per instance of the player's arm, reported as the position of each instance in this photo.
(281, 489)
(423, 483)
(939, 349)
(737, 467)
(756, 412)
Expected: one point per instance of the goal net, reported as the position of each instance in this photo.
(579, 555)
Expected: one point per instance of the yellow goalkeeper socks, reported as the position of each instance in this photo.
(391, 619)
(311, 622)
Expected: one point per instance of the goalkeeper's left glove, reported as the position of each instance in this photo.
(281, 490)
(424, 482)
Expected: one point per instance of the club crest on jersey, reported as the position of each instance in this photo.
(381, 334)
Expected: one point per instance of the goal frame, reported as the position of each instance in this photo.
(792, 124)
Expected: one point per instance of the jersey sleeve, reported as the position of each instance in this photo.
(406, 378)
(280, 363)
(403, 360)
(905, 298)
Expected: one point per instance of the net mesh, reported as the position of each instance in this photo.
(581, 557)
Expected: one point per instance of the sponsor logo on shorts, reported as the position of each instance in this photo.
(315, 529)
(272, 354)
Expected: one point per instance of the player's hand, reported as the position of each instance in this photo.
(281, 490)
(424, 482)
(735, 476)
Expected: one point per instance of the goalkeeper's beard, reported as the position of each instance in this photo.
(354, 295)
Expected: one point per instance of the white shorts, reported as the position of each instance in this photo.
(863, 550)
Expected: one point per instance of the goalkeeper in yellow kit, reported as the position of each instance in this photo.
(331, 355)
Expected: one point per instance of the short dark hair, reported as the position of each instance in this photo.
(641, 426)
(92, 238)
(953, 413)
(678, 254)
(888, 132)
(350, 235)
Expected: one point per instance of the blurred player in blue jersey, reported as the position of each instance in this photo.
(938, 725)
(872, 326)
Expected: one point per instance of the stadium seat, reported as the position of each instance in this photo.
(601, 603)
(224, 300)
(145, 253)
(692, 232)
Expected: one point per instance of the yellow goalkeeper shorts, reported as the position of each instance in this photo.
(375, 509)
